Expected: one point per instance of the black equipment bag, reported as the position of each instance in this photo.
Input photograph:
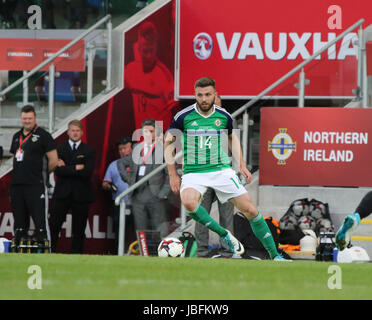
(253, 247)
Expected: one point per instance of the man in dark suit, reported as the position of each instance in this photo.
(73, 188)
(150, 199)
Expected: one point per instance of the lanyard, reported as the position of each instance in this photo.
(144, 157)
(21, 141)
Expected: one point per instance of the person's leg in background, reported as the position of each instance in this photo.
(158, 219)
(80, 213)
(139, 215)
(202, 232)
(20, 213)
(226, 212)
(58, 212)
(36, 200)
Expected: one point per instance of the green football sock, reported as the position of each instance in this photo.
(201, 215)
(262, 231)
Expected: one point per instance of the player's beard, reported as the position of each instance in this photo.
(205, 108)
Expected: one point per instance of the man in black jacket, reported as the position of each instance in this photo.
(73, 188)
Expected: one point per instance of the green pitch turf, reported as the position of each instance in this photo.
(137, 278)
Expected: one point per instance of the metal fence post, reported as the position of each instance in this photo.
(109, 55)
(91, 54)
(301, 93)
(364, 74)
(183, 217)
(360, 63)
(25, 89)
(52, 70)
(245, 135)
(121, 235)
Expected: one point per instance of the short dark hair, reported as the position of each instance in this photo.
(147, 31)
(28, 108)
(205, 82)
(148, 122)
(123, 140)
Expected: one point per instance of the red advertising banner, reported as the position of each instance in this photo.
(247, 45)
(316, 146)
(26, 54)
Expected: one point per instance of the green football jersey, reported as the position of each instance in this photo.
(204, 139)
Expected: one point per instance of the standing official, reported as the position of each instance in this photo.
(35, 156)
(113, 182)
(73, 188)
(149, 199)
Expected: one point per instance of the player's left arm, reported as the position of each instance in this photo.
(237, 153)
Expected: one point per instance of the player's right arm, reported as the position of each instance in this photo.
(174, 179)
(52, 160)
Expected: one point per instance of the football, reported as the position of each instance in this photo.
(171, 247)
(318, 211)
(324, 225)
(300, 208)
(307, 222)
(288, 222)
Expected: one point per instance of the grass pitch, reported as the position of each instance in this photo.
(153, 278)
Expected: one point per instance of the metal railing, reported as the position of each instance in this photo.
(27, 75)
(237, 113)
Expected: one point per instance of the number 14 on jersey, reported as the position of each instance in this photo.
(205, 142)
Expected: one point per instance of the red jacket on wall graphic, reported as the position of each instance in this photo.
(150, 81)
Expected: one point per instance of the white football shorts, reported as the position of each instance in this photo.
(225, 183)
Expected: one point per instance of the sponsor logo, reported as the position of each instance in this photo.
(202, 46)
(267, 235)
(274, 46)
(282, 146)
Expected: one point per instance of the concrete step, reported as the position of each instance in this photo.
(364, 229)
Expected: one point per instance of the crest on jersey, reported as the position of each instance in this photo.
(203, 45)
(218, 122)
(282, 146)
(34, 137)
